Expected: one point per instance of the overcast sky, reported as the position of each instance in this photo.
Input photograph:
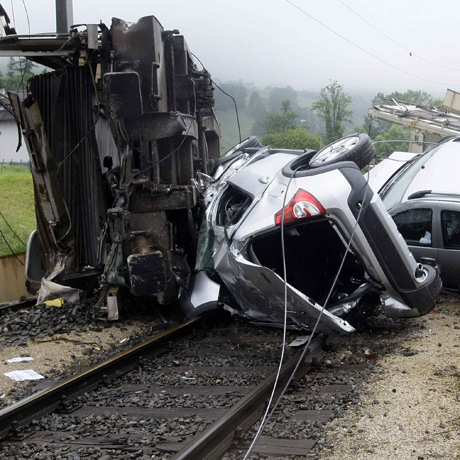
(272, 42)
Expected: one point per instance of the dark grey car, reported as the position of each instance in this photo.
(423, 197)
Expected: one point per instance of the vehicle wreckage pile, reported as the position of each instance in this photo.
(131, 194)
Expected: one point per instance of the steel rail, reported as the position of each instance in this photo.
(49, 399)
(17, 305)
(217, 438)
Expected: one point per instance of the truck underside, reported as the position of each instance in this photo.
(115, 133)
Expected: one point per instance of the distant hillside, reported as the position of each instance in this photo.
(253, 108)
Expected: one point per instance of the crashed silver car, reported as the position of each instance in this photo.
(322, 199)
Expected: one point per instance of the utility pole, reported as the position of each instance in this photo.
(64, 16)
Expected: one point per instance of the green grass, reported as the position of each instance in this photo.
(17, 206)
(229, 127)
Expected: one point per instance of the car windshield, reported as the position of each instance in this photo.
(393, 191)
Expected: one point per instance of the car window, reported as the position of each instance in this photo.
(415, 225)
(450, 222)
(233, 204)
(393, 191)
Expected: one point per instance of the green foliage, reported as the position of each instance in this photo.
(332, 109)
(278, 95)
(16, 82)
(373, 126)
(417, 97)
(17, 205)
(256, 108)
(380, 127)
(19, 70)
(297, 138)
(277, 122)
(256, 104)
(396, 132)
(229, 127)
(238, 91)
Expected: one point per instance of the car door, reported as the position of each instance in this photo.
(449, 250)
(416, 222)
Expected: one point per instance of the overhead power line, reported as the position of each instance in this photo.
(368, 52)
(411, 54)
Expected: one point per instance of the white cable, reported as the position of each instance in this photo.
(267, 414)
(262, 424)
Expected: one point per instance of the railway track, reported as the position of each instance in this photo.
(170, 397)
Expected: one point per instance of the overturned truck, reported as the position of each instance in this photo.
(116, 132)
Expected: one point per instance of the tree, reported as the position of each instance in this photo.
(298, 138)
(396, 132)
(256, 105)
(278, 95)
(256, 108)
(332, 109)
(19, 66)
(417, 97)
(277, 122)
(18, 72)
(237, 90)
(375, 127)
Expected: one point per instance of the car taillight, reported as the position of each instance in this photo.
(302, 205)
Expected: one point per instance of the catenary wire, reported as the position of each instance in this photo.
(395, 42)
(268, 413)
(347, 249)
(14, 233)
(27, 14)
(368, 52)
(280, 365)
(220, 89)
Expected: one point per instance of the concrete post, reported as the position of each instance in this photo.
(64, 16)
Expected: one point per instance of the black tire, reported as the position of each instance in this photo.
(361, 153)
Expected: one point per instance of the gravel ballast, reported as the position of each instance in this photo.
(403, 405)
(410, 408)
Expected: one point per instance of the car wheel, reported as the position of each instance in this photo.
(356, 147)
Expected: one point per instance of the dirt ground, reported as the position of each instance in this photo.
(411, 407)
(54, 354)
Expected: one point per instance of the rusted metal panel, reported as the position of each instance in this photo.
(12, 280)
(53, 219)
(65, 102)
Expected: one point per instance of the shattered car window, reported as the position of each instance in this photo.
(415, 225)
(451, 229)
(233, 205)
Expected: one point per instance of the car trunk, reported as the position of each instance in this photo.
(314, 252)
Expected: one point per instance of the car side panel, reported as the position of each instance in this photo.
(449, 258)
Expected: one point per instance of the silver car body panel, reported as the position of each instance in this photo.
(259, 290)
(250, 283)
